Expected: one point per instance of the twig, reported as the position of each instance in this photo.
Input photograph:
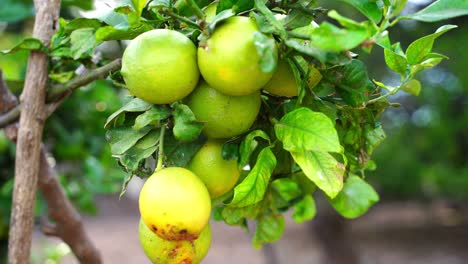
(7, 99)
(29, 136)
(10, 116)
(62, 91)
(184, 19)
(161, 148)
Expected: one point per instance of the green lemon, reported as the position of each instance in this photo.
(160, 66)
(218, 174)
(229, 61)
(223, 116)
(283, 82)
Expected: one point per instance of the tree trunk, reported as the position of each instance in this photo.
(29, 136)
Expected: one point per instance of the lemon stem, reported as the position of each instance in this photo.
(161, 148)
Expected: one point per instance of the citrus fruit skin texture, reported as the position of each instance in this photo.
(283, 82)
(175, 204)
(218, 174)
(161, 251)
(160, 66)
(229, 61)
(223, 116)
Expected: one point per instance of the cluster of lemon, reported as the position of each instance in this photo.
(163, 66)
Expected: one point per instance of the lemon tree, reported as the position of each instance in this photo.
(296, 109)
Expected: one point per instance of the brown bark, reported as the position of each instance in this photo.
(68, 225)
(31, 125)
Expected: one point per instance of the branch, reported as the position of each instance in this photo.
(58, 93)
(31, 126)
(68, 225)
(7, 99)
(67, 221)
(62, 90)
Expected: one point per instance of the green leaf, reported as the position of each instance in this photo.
(123, 138)
(285, 191)
(395, 62)
(82, 23)
(143, 149)
(321, 168)
(304, 210)
(374, 136)
(309, 50)
(442, 10)
(412, 87)
(186, 127)
(350, 80)
(61, 77)
(135, 105)
(153, 115)
(248, 145)
(233, 216)
(270, 17)
(368, 8)
(180, 153)
(26, 44)
(398, 6)
(301, 15)
(420, 48)
(82, 42)
(125, 183)
(270, 228)
(355, 199)
(223, 15)
(230, 150)
(303, 129)
(139, 5)
(252, 189)
(237, 6)
(331, 38)
(112, 33)
(266, 49)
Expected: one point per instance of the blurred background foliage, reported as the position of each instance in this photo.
(424, 157)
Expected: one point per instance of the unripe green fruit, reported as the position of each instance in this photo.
(160, 66)
(223, 116)
(218, 174)
(229, 61)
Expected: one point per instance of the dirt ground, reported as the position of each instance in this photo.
(389, 234)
